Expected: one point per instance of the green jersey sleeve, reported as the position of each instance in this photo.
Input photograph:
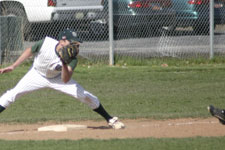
(37, 46)
(73, 63)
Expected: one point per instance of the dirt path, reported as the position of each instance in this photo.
(140, 128)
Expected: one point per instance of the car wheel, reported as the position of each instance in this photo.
(169, 30)
(16, 10)
(201, 29)
(153, 31)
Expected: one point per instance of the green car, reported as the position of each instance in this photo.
(138, 16)
(195, 14)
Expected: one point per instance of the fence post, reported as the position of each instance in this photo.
(211, 29)
(3, 41)
(111, 40)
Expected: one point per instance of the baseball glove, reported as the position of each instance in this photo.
(68, 53)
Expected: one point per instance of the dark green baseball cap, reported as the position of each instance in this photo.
(69, 35)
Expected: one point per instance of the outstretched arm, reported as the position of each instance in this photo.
(26, 54)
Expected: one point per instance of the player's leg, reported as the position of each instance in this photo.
(30, 82)
(112, 121)
(98, 108)
(74, 89)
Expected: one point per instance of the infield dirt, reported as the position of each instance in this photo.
(140, 128)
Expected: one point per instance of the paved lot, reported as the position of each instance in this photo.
(180, 44)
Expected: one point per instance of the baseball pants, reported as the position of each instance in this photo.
(33, 81)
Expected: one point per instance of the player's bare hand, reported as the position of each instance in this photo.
(6, 70)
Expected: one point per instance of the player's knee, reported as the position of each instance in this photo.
(89, 99)
(93, 103)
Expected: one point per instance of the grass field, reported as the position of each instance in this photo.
(183, 89)
(131, 144)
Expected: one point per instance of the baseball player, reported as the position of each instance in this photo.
(53, 66)
(218, 113)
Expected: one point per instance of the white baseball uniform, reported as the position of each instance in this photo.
(46, 73)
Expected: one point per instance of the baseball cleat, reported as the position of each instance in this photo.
(218, 113)
(116, 124)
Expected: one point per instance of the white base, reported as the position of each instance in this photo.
(62, 128)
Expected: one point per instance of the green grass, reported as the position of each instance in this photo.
(121, 60)
(130, 89)
(125, 91)
(129, 144)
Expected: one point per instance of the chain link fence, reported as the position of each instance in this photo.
(141, 28)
